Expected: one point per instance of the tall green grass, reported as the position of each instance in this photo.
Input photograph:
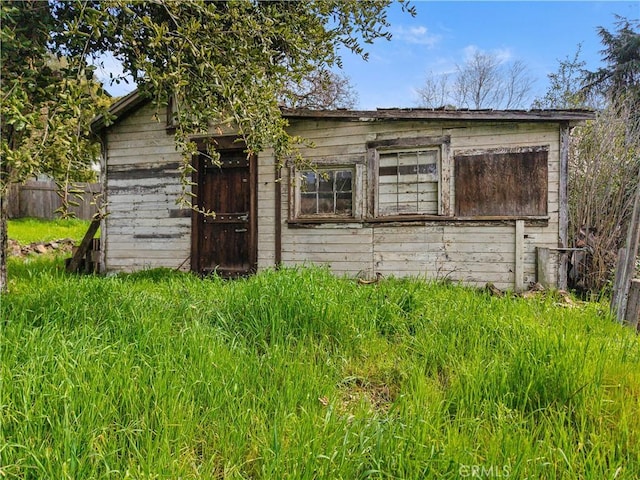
(28, 230)
(298, 374)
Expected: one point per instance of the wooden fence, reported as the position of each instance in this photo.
(41, 200)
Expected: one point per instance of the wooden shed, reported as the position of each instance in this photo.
(472, 196)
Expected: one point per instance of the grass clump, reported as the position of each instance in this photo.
(298, 374)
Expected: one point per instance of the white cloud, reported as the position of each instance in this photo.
(501, 54)
(469, 51)
(418, 35)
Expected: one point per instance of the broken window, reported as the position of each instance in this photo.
(502, 182)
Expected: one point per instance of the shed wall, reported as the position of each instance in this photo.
(145, 227)
(472, 252)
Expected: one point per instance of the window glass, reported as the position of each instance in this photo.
(326, 192)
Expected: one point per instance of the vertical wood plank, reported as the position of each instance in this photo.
(12, 201)
(359, 200)
(278, 215)
(563, 199)
(617, 283)
(445, 180)
(627, 265)
(632, 313)
(372, 180)
(542, 264)
(519, 266)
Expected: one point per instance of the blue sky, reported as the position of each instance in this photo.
(442, 34)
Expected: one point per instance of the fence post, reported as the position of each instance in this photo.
(542, 266)
(632, 313)
(629, 266)
(12, 201)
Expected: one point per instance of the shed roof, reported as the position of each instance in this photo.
(445, 114)
(131, 102)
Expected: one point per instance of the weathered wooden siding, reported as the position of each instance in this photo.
(145, 228)
(267, 209)
(466, 251)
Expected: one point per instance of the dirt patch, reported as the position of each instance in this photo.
(377, 394)
(40, 248)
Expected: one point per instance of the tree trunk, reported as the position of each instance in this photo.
(4, 242)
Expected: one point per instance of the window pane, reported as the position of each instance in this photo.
(325, 181)
(325, 203)
(343, 181)
(343, 203)
(308, 182)
(408, 158)
(388, 160)
(307, 203)
(428, 156)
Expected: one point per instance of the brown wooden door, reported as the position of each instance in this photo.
(225, 243)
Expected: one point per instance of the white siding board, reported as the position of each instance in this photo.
(266, 193)
(143, 184)
(131, 216)
(151, 142)
(135, 160)
(148, 198)
(144, 151)
(159, 250)
(452, 248)
(325, 257)
(122, 135)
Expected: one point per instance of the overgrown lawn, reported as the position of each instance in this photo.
(28, 230)
(298, 374)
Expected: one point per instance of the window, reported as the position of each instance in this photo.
(408, 178)
(326, 192)
(408, 182)
(502, 182)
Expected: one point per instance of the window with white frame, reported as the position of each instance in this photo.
(409, 181)
(325, 192)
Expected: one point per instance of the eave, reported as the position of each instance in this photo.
(118, 110)
(576, 115)
(131, 102)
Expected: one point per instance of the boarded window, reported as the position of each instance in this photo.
(502, 183)
(408, 182)
(326, 192)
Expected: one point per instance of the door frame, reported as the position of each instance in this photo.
(224, 144)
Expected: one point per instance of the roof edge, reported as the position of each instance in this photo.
(118, 110)
(135, 99)
(445, 114)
